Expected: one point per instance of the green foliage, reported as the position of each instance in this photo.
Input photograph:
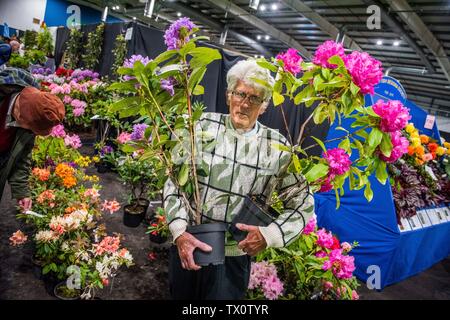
(74, 48)
(36, 56)
(93, 48)
(18, 61)
(119, 52)
(44, 41)
(30, 39)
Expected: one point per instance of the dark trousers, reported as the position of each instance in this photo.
(228, 281)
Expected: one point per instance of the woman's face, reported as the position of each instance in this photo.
(246, 104)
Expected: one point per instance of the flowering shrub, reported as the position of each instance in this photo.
(160, 226)
(264, 282)
(315, 266)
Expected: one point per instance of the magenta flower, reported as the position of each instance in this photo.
(399, 147)
(394, 116)
(77, 112)
(291, 61)
(342, 266)
(355, 295)
(327, 285)
(310, 226)
(321, 254)
(173, 38)
(338, 161)
(58, 131)
(263, 275)
(324, 238)
(327, 50)
(67, 99)
(326, 184)
(72, 141)
(366, 71)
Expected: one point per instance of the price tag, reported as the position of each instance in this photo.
(129, 34)
(433, 216)
(414, 222)
(429, 122)
(424, 219)
(404, 225)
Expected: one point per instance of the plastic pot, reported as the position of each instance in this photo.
(58, 292)
(157, 238)
(212, 234)
(50, 281)
(254, 212)
(37, 267)
(133, 215)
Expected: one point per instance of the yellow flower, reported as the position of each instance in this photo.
(410, 128)
(415, 134)
(95, 159)
(415, 142)
(440, 151)
(447, 145)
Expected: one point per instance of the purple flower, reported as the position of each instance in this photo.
(73, 164)
(49, 163)
(129, 63)
(58, 131)
(138, 131)
(175, 36)
(167, 84)
(291, 61)
(106, 150)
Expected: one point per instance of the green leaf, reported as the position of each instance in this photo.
(196, 77)
(164, 56)
(203, 56)
(386, 145)
(267, 65)
(375, 137)
(368, 193)
(183, 175)
(317, 81)
(124, 103)
(345, 144)
(354, 88)
(281, 147)
(127, 86)
(277, 98)
(198, 90)
(325, 73)
(336, 60)
(305, 93)
(320, 143)
(346, 101)
(381, 172)
(296, 163)
(318, 171)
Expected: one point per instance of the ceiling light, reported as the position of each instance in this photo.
(274, 6)
(396, 43)
(256, 56)
(267, 37)
(262, 7)
(134, 18)
(258, 37)
(179, 14)
(379, 43)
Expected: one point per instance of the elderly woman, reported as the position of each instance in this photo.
(242, 162)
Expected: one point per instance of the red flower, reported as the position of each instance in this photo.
(336, 244)
(151, 256)
(432, 147)
(433, 154)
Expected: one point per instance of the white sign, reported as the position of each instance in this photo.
(129, 34)
(441, 215)
(424, 219)
(404, 225)
(429, 122)
(414, 222)
(433, 216)
(447, 213)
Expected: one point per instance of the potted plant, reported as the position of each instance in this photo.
(62, 292)
(163, 90)
(336, 85)
(158, 230)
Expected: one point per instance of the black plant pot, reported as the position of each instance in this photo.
(157, 238)
(212, 234)
(102, 168)
(133, 215)
(37, 268)
(57, 293)
(50, 282)
(254, 212)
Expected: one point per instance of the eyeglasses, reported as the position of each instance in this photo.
(253, 100)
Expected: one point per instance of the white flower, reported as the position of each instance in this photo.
(46, 236)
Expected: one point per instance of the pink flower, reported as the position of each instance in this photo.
(67, 99)
(324, 238)
(92, 193)
(327, 285)
(338, 161)
(77, 104)
(72, 141)
(399, 147)
(105, 282)
(78, 112)
(18, 238)
(355, 295)
(342, 266)
(151, 256)
(264, 275)
(346, 247)
(111, 206)
(272, 287)
(427, 157)
(366, 71)
(108, 244)
(394, 116)
(321, 254)
(310, 226)
(58, 131)
(291, 60)
(327, 50)
(124, 137)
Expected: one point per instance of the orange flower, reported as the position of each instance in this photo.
(46, 195)
(18, 238)
(69, 181)
(433, 154)
(69, 210)
(63, 170)
(41, 174)
(424, 138)
(427, 157)
(420, 150)
(433, 147)
(411, 150)
(419, 161)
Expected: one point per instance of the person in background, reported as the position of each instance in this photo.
(15, 46)
(25, 112)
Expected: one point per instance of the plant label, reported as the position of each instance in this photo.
(433, 216)
(404, 225)
(415, 222)
(129, 34)
(424, 219)
(429, 122)
(441, 214)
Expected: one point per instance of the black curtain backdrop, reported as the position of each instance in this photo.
(148, 41)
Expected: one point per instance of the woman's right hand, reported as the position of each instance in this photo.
(186, 244)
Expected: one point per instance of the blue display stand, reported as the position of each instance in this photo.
(396, 254)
